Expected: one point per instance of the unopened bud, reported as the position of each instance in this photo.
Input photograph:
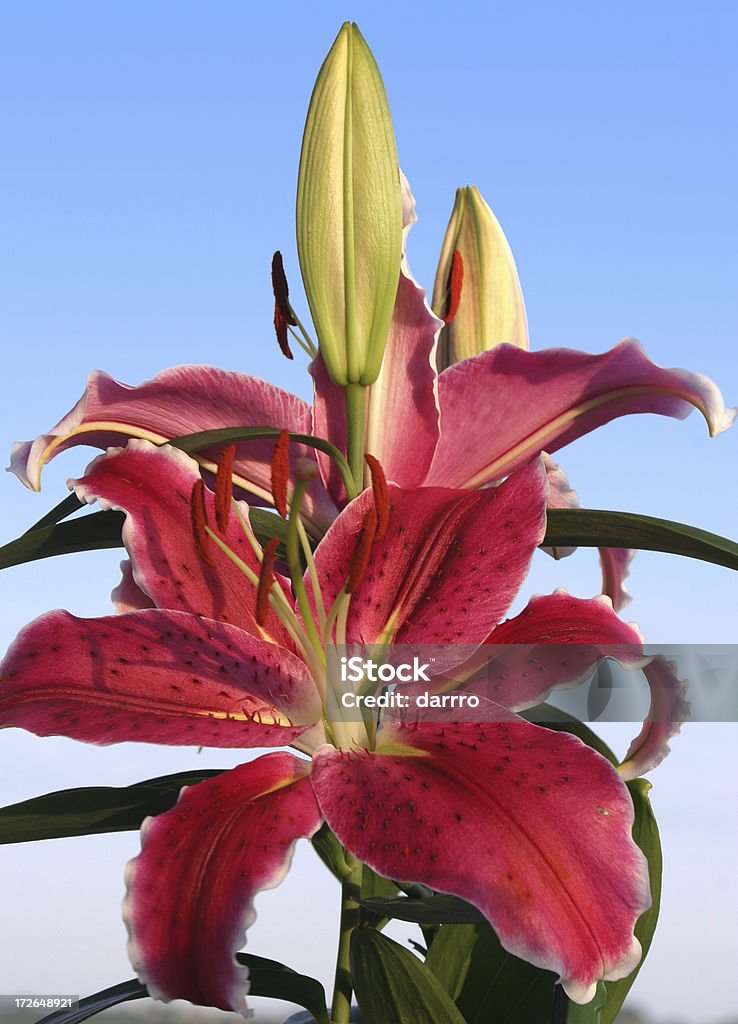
(349, 211)
(489, 308)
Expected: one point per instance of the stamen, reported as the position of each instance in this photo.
(362, 551)
(283, 315)
(281, 472)
(200, 523)
(266, 579)
(456, 278)
(224, 488)
(381, 494)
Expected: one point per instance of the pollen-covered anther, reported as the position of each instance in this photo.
(224, 488)
(362, 551)
(283, 315)
(455, 281)
(281, 472)
(199, 522)
(266, 579)
(381, 494)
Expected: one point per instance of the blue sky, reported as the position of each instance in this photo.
(150, 170)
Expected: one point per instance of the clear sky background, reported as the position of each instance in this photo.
(149, 172)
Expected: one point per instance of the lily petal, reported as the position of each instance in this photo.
(191, 889)
(152, 485)
(668, 711)
(544, 400)
(128, 596)
(403, 402)
(531, 826)
(179, 401)
(614, 562)
(449, 565)
(615, 565)
(154, 677)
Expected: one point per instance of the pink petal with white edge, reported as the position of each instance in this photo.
(529, 825)
(402, 406)
(543, 400)
(154, 677)
(555, 643)
(668, 712)
(615, 565)
(179, 401)
(153, 486)
(449, 565)
(615, 562)
(128, 596)
(191, 889)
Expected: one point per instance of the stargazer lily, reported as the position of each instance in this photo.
(216, 648)
(468, 426)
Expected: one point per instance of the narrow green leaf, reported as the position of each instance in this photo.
(192, 443)
(585, 527)
(392, 985)
(268, 978)
(87, 533)
(93, 810)
(102, 530)
(436, 909)
(91, 1005)
(65, 508)
(487, 983)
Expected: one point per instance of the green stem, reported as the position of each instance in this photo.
(355, 428)
(350, 915)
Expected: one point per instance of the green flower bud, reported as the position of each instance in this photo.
(349, 211)
(477, 291)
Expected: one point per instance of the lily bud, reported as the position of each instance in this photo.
(489, 309)
(349, 211)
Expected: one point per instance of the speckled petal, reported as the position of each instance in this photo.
(447, 568)
(191, 889)
(156, 677)
(529, 825)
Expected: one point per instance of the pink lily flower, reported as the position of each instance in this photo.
(529, 825)
(466, 427)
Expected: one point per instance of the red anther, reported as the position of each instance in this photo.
(360, 557)
(281, 472)
(266, 578)
(456, 279)
(283, 316)
(224, 488)
(381, 494)
(199, 523)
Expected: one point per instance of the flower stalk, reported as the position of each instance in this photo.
(350, 917)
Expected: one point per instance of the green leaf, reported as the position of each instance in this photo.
(584, 527)
(87, 533)
(65, 508)
(93, 810)
(436, 909)
(91, 1005)
(103, 530)
(268, 978)
(392, 985)
(273, 980)
(487, 983)
(646, 835)
(192, 443)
